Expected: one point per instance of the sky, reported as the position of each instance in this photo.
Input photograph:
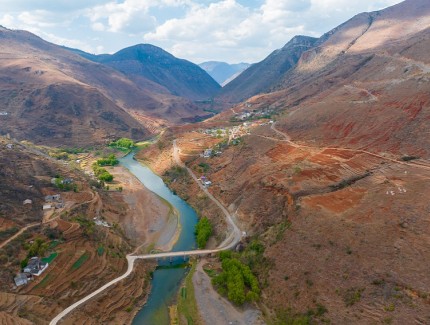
(232, 31)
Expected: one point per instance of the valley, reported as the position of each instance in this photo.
(137, 190)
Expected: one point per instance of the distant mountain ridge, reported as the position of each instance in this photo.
(264, 75)
(223, 72)
(167, 73)
(53, 96)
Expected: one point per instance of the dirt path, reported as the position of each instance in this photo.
(215, 309)
(7, 241)
(236, 233)
(301, 146)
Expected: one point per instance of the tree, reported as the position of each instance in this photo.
(203, 232)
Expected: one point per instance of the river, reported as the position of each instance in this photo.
(166, 281)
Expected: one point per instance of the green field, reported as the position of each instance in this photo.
(100, 250)
(81, 260)
(50, 258)
(44, 282)
(187, 305)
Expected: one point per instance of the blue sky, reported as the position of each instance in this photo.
(226, 30)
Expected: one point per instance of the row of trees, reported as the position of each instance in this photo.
(108, 161)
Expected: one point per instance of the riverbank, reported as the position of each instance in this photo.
(215, 309)
(149, 221)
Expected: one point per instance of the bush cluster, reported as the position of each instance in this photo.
(102, 174)
(108, 161)
(236, 280)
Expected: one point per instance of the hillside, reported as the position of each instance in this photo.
(53, 96)
(335, 188)
(262, 76)
(145, 62)
(223, 72)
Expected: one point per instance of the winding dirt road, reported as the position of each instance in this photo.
(230, 242)
(296, 145)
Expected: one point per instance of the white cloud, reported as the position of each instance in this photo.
(198, 30)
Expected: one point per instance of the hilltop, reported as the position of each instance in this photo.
(171, 75)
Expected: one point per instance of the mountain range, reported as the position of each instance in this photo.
(171, 75)
(223, 72)
(333, 181)
(261, 76)
(51, 95)
(362, 84)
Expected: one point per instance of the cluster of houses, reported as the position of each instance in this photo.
(100, 222)
(53, 202)
(254, 114)
(35, 267)
(217, 132)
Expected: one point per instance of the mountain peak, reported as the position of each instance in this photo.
(170, 74)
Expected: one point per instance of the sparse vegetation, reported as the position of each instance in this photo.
(87, 225)
(174, 173)
(409, 158)
(204, 167)
(5, 234)
(352, 296)
(288, 317)
(203, 232)
(65, 184)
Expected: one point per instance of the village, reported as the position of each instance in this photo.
(53, 205)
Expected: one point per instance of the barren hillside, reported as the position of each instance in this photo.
(49, 92)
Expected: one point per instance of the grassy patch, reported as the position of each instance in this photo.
(50, 258)
(100, 250)
(81, 260)
(210, 272)
(53, 244)
(187, 305)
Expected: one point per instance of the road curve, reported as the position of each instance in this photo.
(230, 242)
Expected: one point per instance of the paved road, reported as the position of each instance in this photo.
(230, 242)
